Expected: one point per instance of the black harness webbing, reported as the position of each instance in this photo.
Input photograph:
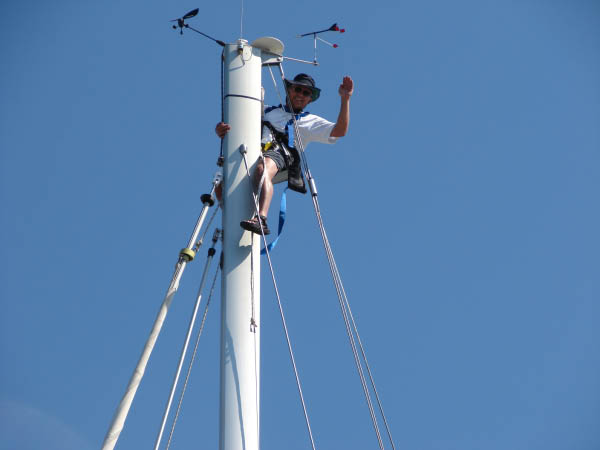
(291, 156)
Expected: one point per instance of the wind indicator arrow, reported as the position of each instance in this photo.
(181, 25)
(314, 34)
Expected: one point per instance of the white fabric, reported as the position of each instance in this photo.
(312, 128)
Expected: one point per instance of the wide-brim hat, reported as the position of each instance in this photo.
(305, 80)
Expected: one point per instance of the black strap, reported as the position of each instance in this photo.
(279, 136)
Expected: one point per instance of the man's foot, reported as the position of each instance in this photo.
(254, 225)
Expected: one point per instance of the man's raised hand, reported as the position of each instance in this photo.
(346, 88)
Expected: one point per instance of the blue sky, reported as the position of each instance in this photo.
(462, 209)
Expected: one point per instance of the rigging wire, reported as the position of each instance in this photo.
(221, 159)
(281, 313)
(368, 367)
(210, 221)
(253, 324)
(253, 327)
(338, 287)
(193, 357)
(351, 327)
(211, 253)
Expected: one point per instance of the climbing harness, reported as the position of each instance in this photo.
(276, 140)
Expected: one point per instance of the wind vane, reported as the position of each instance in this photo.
(181, 25)
(333, 27)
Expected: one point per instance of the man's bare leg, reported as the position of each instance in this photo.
(267, 189)
(266, 193)
(258, 225)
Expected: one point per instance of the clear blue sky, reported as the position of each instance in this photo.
(462, 208)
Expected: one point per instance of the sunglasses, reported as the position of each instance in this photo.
(305, 92)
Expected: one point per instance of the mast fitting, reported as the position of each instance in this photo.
(207, 199)
(187, 254)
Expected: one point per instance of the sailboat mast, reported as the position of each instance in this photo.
(240, 303)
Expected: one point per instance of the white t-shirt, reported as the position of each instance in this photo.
(311, 127)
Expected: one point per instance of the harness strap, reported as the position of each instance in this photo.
(289, 128)
(282, 213)
(278, 136)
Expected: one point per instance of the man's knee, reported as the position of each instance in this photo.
(258, 172)
(268, 167)
(260, 167)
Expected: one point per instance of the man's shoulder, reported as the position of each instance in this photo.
(310, 118)
(278, 115)
(270, 109)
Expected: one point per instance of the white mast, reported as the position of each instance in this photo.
(240, 304)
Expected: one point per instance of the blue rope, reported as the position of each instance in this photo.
(282, 212)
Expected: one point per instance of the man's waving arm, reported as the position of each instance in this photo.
(345, 90)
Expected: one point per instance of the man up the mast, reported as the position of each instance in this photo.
(279, 142)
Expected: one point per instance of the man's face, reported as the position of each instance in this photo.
(299, 96)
